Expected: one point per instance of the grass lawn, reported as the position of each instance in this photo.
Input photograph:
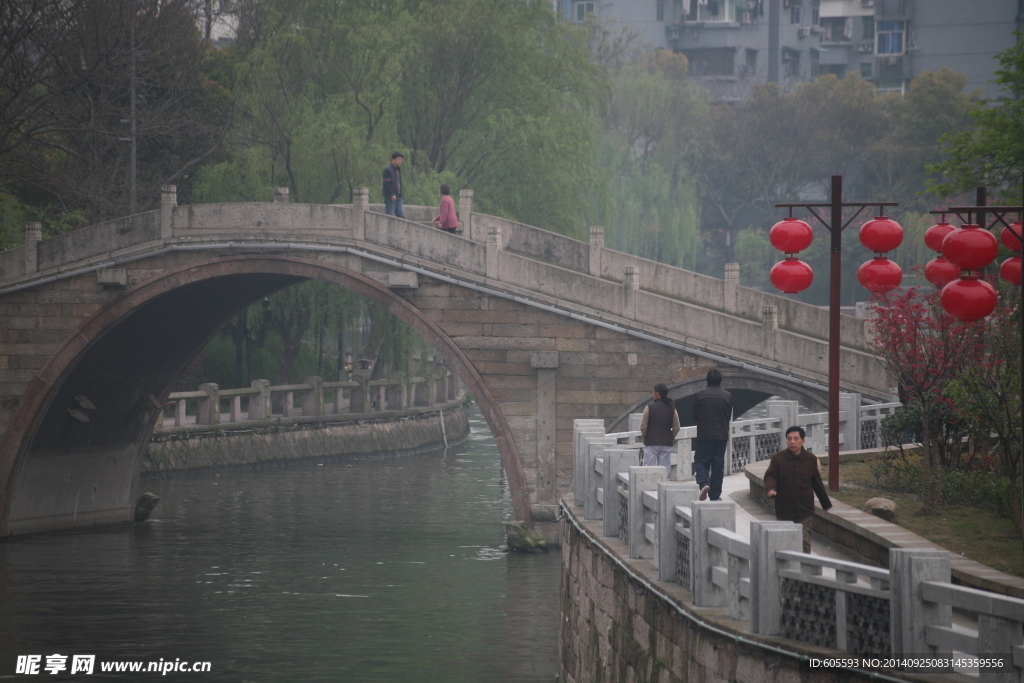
(972, 532)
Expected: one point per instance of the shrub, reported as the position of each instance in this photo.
(991, 491)
(898, 471)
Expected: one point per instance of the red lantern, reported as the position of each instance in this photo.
(1008, 238)
(968, 299)
(790, 235)
(941, 272)
(881, 235)
(970, 248)
(879, 275)
(934, 235)
(791, 275)
(1010, 270)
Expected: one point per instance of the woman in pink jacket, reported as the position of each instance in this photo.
(447, 220)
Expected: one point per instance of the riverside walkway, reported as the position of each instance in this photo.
(660, 585)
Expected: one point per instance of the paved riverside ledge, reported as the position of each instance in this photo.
(865, 537)
(619, 622)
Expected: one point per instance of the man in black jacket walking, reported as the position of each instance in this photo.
(712, 409)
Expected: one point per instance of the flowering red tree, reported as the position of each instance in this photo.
(925, 349)
(987, 394)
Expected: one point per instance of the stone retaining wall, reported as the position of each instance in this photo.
(268, 443)
(617, 622)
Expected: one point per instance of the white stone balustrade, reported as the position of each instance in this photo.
(314, 397)
(766, 579)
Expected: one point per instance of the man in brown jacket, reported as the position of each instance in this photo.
(793, 478)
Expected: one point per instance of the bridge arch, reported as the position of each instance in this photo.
(748, 386)
(59, 471)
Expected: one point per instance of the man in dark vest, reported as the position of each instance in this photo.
(659, 427)
(712, 410)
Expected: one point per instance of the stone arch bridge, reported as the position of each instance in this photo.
(542, 329)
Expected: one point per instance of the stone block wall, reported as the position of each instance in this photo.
(272, 442)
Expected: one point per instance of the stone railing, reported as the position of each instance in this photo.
(433, 383)
(765, 579)
(749, 441)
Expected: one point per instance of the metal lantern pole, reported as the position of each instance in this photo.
(835, 226)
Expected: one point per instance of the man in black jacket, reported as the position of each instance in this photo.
(712, 410)
(392, 189)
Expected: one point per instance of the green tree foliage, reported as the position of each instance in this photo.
(783, 147)
(311, 314)
(648, 150)
(934, 105)
(991, 152)
(485, 94)
(65, 101)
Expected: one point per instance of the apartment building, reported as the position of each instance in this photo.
(734, 44)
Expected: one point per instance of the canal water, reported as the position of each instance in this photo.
(390, 569)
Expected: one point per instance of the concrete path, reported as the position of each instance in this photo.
(736, 488)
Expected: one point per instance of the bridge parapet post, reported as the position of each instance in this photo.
(360, 202)
(705, 556)
(33, 236)
(787, 412)
(769, 330)
(494, 246)
(912, 617)
(357, 397)
(642, 479)
(671, 494)
(596, 249)
(313, 400)
(209, 406)
(259, 404)
(440, 385)
(168, 200)
(766, 538)
(466, 215)
(731, 286)
(630, 286)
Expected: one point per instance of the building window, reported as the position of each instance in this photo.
(865, 69)
(661, 11)
(750, 67)
(815, 13)
(790, 63)
(867, 28)
(713, 61)
(889, 38)
(837, 70)
(837, 29)
(714, 10)
(584, 10)
(794, 13)
(813, 54)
